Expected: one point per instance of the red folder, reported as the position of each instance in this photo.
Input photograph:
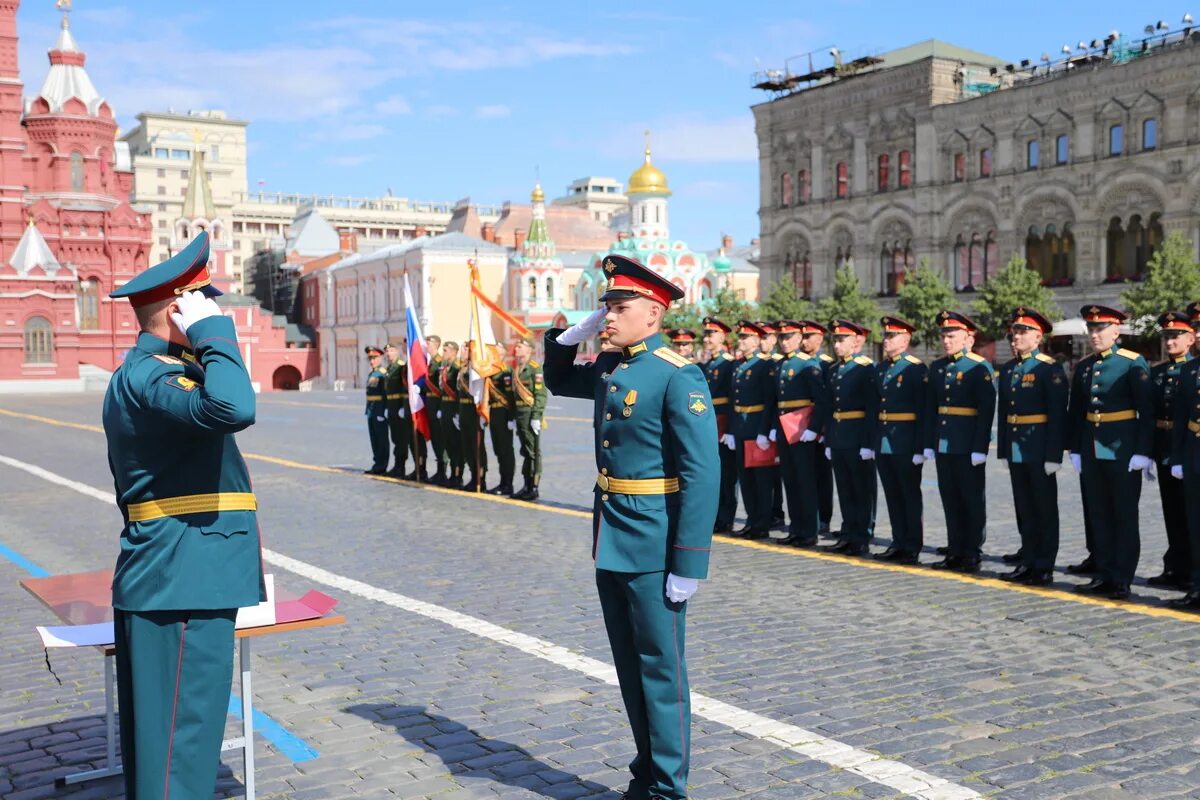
(760, 458)
(795, 423)
(722, 425)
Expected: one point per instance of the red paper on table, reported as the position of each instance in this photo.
(795, 423)
(760, 458)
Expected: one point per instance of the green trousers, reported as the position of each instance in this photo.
(174, 672)
(531, 447)
(646, 633)
(502, 444)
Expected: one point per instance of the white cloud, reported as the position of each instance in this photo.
(492, 112)
(392, 106)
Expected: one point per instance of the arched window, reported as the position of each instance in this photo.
(905, 177)
(895, 259)
(801, 266)
(1116, 140)
(76, 172)
(1149, 134)
(843, 180)
(39, 341)
(843, 256)
(785, 189)
(549, 291)
(960, 167)
(976, 273)
(985, 162)
(643, 213)
(805, 187)
(89, 305)
(883, 176)
(1033, 155)
(657, 212)
(531, 296)
(1116, 261)
(1062, 147)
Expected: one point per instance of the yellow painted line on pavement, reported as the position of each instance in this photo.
(862, 563)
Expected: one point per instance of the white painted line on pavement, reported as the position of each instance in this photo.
(888, 772)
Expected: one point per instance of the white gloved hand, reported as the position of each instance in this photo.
(455, 422)
(828, 454)
(918, 459)
(762, 442)
(808, 436)
(1177, 472)
(591, 325)
(978, 458)
(928, 453)
(482, 423)
(381, 419)
(537, 426)
(1140, 463)
(193, 307)
(679, 589)
(1076, 462)
(402, 412)
(512, 424)
(729, 441)
(771, 435)
(439, 414)
(866, 453)
(1053, 467)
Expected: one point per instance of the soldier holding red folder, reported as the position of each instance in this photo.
(802, 407)
(753, 420)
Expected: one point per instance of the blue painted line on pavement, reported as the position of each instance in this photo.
(286, 742)
(23, 562)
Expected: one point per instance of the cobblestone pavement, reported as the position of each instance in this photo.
(1012, 694)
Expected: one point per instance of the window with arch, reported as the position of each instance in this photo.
(89, 304)
(39, 341)
(643, 213)
(960, 167)
(1062, 147)
(800, 266)
(1149, 134)
(785, 189)
(895, 259)
(549, 291)
(1032, 154)
(975, 259)
(1051, 254)
(657, 213)
(904, 177)
(1116, 139)
(76, 171)
(805, 193)
(531, 292)
(985, 162)
(1130, 246)
(882, 173)
(843, 180)
(843, 256)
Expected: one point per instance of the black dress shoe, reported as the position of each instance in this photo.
(949, 562)
(1011, 558)
(373, 471)
(412, 476)
(501, 489)
(752, 533)
(829, 533)
(891, 554)
(1039, 577)
(1170, 580)
(723, 527)
(1189, 602)
(848, 548)
(802, 542)
(1018, 575)
(1085, 567)
(968, 565)
(1117, 591)
(942, 551)
(1095, 586)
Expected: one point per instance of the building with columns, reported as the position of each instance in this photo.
(1081, 165)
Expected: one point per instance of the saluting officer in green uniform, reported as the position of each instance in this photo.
(502, 424)
(1178, 339)
(850, 438)
(471, 426)
(961, 403)
(448, 415)
(1185, 462)
(655, 502)
(899, 440)
(718, 371)
(377, 426)
(753, 419)
(1031, 437)
(433, 407)
(529, 397)
(800, 384)
(812, 342)
(1111, 437)
(190, 552)
(396, 397)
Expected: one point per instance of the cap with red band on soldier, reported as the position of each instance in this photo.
(186, 271)
(629, 278)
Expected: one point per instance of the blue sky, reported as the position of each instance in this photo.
(474, 98)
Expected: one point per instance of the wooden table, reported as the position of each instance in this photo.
(85, 598)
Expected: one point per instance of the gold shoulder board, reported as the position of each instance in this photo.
(168, 359)
(1128, 354)
(671, 357)
(727, 356)
(534, 364)
(826, 357)
(776, 356)
(865, 361)
(910, 358)
(1045, 359)
(975, 357)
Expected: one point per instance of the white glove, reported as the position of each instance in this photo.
(1139, 463)
(1177, 472)
(680, 589)
(403, 413)
(828, 454)
(512, 425)
(455, 422)
(866, 453)
(729, 441)
(381, 419)
(482, 423)
(1076, 462)
(808, 436)
(771, 435)
(762, 442)
(928, 453)
(1053, 467)
(978, 458)
(439, 414)
(591, 325)
(537, 426)
(193, 307)
(918, 459)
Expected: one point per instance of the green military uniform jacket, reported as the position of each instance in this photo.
(718, 372)
(960, 404)
(1166, 386)
(653, 419)
(433, 388)
(169, 416)
(900, 424)
(376, 397)
(1185, 435)
(501, 393)
(852, 391)
(529, 389)
(800, 383)
(753, 397)
(1115, 382)
(395, 387)
(1031, 428)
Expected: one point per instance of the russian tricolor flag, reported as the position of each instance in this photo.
(418, 364)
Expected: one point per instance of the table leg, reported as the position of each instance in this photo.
(111, 767)
(247, 716)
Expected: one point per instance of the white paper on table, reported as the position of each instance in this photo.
(100, 633)
(261, 614)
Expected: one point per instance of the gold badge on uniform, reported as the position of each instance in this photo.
(631, 397)
(609, 266)
(696, 403)
(180, 382)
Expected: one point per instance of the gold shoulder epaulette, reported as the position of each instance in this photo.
(534, 363)
(168, 359)
(826, 357)
(801, 356)
(864, 360)
(671, 357)
(910, 358)
(727, 356)
(976, 357)
(777, 356)
(1128, 354)
(1045, 359)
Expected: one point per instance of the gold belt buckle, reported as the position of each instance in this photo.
(602, 482)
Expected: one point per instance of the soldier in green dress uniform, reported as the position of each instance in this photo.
(812, 342)
(1111, 438)
(683, 342)
(899, 440)
(190, 551)
(448, 415)
(800, 384)
(433, 407)
(655, 503)
(376, 411)
(470, 429)
(718, 371)
(769, 346)
(502, 424)
(1185, 462)
(396, 397)
(753, 419)
(1031, 437)
(1178, 339)
(529, 397)
(961, 403)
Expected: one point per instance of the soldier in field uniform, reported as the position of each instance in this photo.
(529, 402)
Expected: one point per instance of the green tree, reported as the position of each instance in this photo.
(1172, 281)
(849, 301)
(682, 315)
(1014, 285)
(784, 302)
(726, 305)
(922, 296)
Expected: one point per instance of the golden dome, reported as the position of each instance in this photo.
(647, 179)
(538, 195)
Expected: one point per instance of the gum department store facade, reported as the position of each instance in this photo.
(1083, 171)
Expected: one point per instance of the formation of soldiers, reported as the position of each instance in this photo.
(794, 421)
(458, 432)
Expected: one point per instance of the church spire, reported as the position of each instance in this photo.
(538, 242)
(67, 79)
(198, 201)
